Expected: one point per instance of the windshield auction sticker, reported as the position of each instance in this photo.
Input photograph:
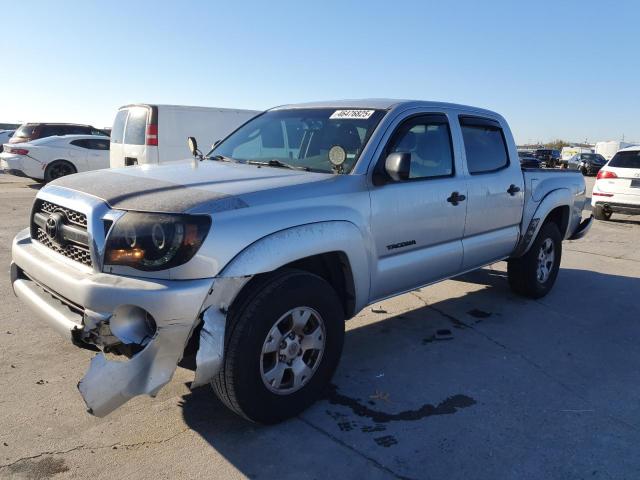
(351, 114)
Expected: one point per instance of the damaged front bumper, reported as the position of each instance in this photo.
(80, 305)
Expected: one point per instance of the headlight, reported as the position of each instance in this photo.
(155, 241)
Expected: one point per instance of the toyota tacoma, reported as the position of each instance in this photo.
(254, 254)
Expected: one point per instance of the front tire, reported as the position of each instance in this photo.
(534, 274)
(282, 346)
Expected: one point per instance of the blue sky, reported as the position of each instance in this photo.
(568, 69)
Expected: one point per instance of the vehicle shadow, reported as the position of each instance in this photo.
(257, 450)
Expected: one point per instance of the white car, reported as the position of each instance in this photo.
(5, 135)
(53, 157)
(617, 187)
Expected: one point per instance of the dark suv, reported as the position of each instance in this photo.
(549, 158)
(32, 131)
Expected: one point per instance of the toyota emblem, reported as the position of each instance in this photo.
(53, 225)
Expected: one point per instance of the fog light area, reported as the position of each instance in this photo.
(132, 325)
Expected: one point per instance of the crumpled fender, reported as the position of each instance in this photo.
(286, 246)
(561, 197)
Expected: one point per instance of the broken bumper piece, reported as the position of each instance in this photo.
(83, 306)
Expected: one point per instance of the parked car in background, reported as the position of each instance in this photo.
(148, 134)
(5, 135)
(567, 152)
(617, 187)
(528, 160)
(53, 157)
(291, 225)
(587, 163)
(32, 131)
(549, 158)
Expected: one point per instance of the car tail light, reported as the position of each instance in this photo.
(597, 194)
(606, 174)
(152, 135)
(18, 151)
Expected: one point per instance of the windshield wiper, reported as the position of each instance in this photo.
(279, 164)
(222, 158)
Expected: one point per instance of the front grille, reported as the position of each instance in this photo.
(78, 218)
(74, 246)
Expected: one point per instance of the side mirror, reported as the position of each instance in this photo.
(193, 146)
(398, 165)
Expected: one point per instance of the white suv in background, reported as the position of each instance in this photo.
(617, 187)
(53, 157)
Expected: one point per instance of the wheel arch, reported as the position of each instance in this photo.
(333, 250)
(554, 207)
(60, 160)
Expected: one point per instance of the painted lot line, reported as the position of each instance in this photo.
(458, 380)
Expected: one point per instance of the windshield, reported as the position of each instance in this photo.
(629, 159)
(302, 138)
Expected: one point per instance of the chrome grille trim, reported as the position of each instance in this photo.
(74, 250)
(77, 218)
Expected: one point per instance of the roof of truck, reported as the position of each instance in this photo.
(380, 104)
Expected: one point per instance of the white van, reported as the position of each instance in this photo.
(609, 149)
(148, 134)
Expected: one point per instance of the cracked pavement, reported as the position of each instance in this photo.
(461, 379)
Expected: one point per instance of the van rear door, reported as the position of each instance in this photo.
(138, 142)
(116, 153)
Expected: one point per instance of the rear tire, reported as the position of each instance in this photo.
(57, 169)
(272, 369)
(601, 214)
(534, 274)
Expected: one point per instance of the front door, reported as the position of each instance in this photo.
(418, 223)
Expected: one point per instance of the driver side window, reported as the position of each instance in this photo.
(428, 139)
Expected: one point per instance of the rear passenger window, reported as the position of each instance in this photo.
(117, 131)
(484, 145)
(136, 126)
(80, 143)
(428, 140)
(91, 144)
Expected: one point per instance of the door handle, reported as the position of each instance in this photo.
(513, 189)
(455, 198)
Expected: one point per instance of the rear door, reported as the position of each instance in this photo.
(418, 223)
(116, 153)
(495, 188)
(134, 143)
(97, 153)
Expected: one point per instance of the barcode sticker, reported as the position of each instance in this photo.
(351, 114)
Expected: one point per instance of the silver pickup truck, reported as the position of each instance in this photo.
(254, 255)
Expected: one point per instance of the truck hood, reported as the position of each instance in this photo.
(180, 186)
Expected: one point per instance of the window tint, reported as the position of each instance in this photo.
(428, 141)
(117, 132)
(98, 144)
(630, 159)
(91, 144)
(484, 145)
(136, 126)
